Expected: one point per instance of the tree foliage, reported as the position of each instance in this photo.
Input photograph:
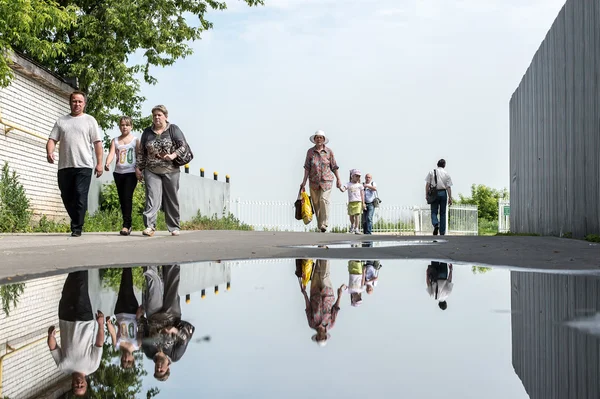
(10, 294)
(486, 199)
(15, 215)
(108, 45)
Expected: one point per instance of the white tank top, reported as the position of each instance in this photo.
(125, 154)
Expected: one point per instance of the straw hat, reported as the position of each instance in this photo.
(318, 133)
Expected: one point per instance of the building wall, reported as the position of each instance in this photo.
(33, 100)
(555, 130)
(553, 360)
(30, 371)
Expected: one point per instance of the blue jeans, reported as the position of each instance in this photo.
(367, 220)
(439, 205)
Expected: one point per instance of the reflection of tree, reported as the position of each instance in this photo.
(113, 381)
(10, 294)
(111, 278)
(480, 269)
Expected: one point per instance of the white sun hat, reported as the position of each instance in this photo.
(318, 133)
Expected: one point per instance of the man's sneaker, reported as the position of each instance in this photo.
(357, 231)
(148, 231)
(436, 229)
(76, 233)
(323, 229)
(175, 233)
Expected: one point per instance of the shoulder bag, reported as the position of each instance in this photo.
(432, 191)
(188, 155)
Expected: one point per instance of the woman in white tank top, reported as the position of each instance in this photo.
(125, 149)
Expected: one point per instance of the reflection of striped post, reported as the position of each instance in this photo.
(188, 298)
(201, 172)
(203, 294)
(216, 290)
(229, 286)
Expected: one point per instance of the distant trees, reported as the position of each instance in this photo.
(486, 199)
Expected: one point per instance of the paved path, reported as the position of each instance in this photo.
(42, 254)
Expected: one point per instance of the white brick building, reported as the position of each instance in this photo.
(31, 371)
(29, 106)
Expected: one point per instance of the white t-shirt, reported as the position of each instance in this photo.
(78, 352)
(443, 178)
(125, 154)
(76, 135)
(370, 194)
(127, 328)
(354, 190)
(444, 288)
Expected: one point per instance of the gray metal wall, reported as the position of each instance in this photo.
(552, 360)
(555, 129)
(196, 193)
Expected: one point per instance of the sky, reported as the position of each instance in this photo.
(395, 85)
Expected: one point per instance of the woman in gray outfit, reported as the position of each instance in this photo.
(160, 144)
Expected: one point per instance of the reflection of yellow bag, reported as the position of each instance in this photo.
(307, 212)
(307, 266)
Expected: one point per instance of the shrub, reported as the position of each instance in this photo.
(229, 222)
(15, 215)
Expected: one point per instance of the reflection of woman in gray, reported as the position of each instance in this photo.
(322, 307)
(165, 335)
(81, 336)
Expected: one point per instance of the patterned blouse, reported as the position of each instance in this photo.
(323, 311)
(320, 165)
(153, 146)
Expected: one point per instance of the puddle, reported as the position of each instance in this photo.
(369, 244)
(244, 332)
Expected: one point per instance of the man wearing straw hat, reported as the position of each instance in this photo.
(319, 169)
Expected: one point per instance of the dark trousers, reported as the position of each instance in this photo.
(126, 300)
(126, 183)
(75, 302)
(74, 184)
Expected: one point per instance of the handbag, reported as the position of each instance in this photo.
(376, 200)
(188, 155)
(432, 190)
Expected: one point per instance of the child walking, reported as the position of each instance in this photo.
(356, 200)
(124, 147)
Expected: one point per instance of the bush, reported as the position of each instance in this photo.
(228, 222)
(112, 220)
(487, 227)
(15, 215)
(45, 225)
(109, 198)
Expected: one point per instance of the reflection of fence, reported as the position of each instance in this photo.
(279, 216)
(503, 216)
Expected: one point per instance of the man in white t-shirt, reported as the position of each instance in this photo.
(370, 193)
(443, 183)
(439, 282)
(81, 335)
(79, 137)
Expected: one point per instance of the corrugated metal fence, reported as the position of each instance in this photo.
(555, 130)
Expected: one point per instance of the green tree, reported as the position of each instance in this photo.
(107, 45)
(15, 215)
(486, 199)
(27, 25)
(10, 294)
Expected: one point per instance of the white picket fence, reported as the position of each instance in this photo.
(279, 216)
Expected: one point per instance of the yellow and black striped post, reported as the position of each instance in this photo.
(187, 168)
(226, 178)
(201, 172)
(216, 175)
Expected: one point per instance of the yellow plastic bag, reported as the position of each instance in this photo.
(307, 211)
(307, 267)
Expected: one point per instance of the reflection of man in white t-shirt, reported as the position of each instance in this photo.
(81, 336)
(371, 275)
(439, 282)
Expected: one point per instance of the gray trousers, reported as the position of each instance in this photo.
(162, 295)
(162, 190)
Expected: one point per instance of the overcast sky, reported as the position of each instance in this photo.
(395, 84)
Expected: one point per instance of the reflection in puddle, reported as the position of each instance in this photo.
(371, 244)
(176, 330)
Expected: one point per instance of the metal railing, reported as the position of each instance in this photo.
(9, 126)
(279, 216)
